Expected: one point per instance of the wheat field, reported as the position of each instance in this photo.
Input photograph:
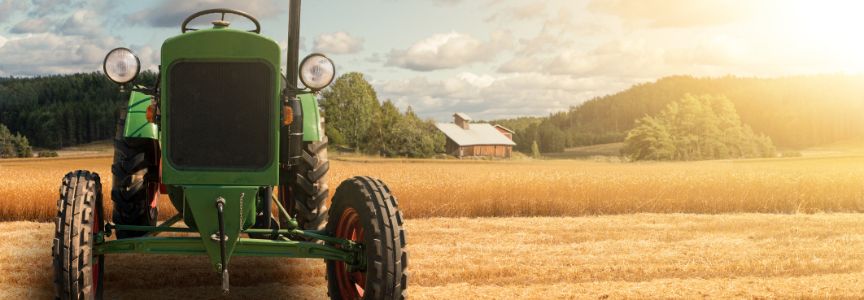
(624, 256)
(448, 188)
(525, 229)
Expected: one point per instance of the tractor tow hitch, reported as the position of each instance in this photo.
(220, 205)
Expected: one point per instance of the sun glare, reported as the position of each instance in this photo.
(831, 28)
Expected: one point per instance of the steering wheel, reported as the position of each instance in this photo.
(223, 11)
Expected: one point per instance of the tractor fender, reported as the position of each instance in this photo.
(311, 117)
(137, 125)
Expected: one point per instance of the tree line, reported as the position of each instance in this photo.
(795, 112)
(63, 110)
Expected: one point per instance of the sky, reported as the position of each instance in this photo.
(487, 58)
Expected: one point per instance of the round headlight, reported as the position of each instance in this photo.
(121, 65)
(317, 71)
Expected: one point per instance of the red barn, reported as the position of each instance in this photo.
(476, 139)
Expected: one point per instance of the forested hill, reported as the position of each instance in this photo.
(59, 111)
(62, 110)
(794, 112)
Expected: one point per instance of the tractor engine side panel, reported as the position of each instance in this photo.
(137, 125)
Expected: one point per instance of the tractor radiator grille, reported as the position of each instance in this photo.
(220, 115)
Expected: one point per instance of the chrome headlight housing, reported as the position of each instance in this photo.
(317, 71)
(121, 65)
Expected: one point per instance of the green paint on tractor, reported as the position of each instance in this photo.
(213, 135)
(311, 118)
(137, 125)
(239, 212)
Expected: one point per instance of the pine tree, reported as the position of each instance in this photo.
(22, 146)
(7, 147)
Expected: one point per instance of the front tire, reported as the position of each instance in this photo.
(365, 211)
(77, 271)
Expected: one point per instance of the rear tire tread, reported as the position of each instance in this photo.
(309, 189)
(135, 167)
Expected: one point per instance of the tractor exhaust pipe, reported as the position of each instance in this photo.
(293, 44)
(294, 141)
(292, 136)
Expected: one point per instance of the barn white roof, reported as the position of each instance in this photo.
(476, 134)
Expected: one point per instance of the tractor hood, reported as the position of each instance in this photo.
(220, 108)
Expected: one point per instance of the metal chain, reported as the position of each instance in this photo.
(241, 209)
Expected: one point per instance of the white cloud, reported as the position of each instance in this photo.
(487, 96)
(449, 50)
(58, 36)
(11, 7)
(481, 81)
(626, 58)
(172, 13)
(49, 53)
(82, 22)
(34, 25)
(149, 57)
(337, 43)
(47, 7)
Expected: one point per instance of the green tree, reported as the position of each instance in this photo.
(22, 146)
(650, 140)
(350, 104)
(414, 137)
(7, 148)
(552, 139)
(15, 145)
(380, 140)
(694, 128)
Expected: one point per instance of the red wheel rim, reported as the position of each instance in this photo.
(352, 285)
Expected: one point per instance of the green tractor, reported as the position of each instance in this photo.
(218, 132)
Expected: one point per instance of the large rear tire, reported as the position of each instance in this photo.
(77, 271)
(364, 210)
(135, 184)
(307, 189)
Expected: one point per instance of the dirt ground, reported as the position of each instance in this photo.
(624, 256)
